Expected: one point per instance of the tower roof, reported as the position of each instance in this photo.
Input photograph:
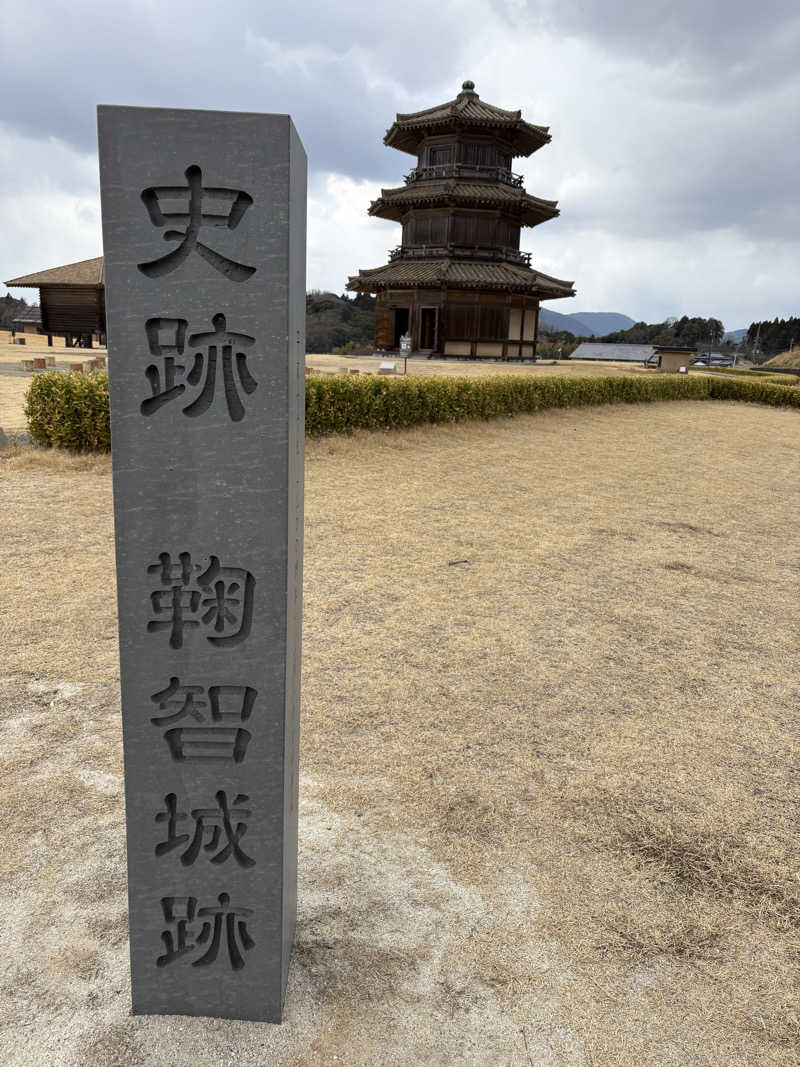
(394, 203)
(467, 110)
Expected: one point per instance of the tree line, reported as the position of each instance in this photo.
(770, 338)
(10, 308)
(688, 332)
(340, 324)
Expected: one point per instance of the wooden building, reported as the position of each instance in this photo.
(72, 300)
(28, 321)
(670, 358)
(458, 284)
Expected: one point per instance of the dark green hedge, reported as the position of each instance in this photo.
(340, 404)
(71, 410)
(754, 373)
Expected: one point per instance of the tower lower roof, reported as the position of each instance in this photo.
(459, 274)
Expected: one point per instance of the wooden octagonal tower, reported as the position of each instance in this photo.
(459, 284)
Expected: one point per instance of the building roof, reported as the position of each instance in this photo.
(467, 109)
(393, 203)
(30, 314)
(88, 272)
(618, 353)
(409, 273)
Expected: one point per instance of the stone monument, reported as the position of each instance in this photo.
(204, 243)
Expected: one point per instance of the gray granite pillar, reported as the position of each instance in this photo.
(204, 242)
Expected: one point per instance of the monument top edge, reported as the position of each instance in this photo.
(101, 108)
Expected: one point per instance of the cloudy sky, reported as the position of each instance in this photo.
(676, 127)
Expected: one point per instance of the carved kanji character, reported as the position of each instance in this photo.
(229, 206)
(222, 357)
(217, 741)
(220, 598)
(214, 830)
(221, 922)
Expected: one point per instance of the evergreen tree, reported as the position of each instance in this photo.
(10, 309)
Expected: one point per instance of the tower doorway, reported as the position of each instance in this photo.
(400, 325)
(427, 328)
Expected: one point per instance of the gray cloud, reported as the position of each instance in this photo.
(675, 130)
(736, 40)
(339, 72)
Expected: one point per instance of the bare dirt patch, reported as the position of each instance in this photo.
(549, 811)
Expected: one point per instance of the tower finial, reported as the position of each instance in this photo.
(468, 87)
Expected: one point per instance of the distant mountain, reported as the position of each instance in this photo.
(603, 322)
(735, 335)
(587, 323)
(554, 320)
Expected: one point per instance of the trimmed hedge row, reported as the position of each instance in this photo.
(754, 373)
(342, 404)
(71, 410)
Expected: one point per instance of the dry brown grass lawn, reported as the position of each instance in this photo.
(784, 359)
(13, 389)
(12, 403)
(36, 345)
(471, 368)
(549, 752)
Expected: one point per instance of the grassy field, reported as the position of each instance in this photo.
(549, 744)
(784, 359)
(36, 345)
(12, 402)
(471, 368)
(13, 389)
